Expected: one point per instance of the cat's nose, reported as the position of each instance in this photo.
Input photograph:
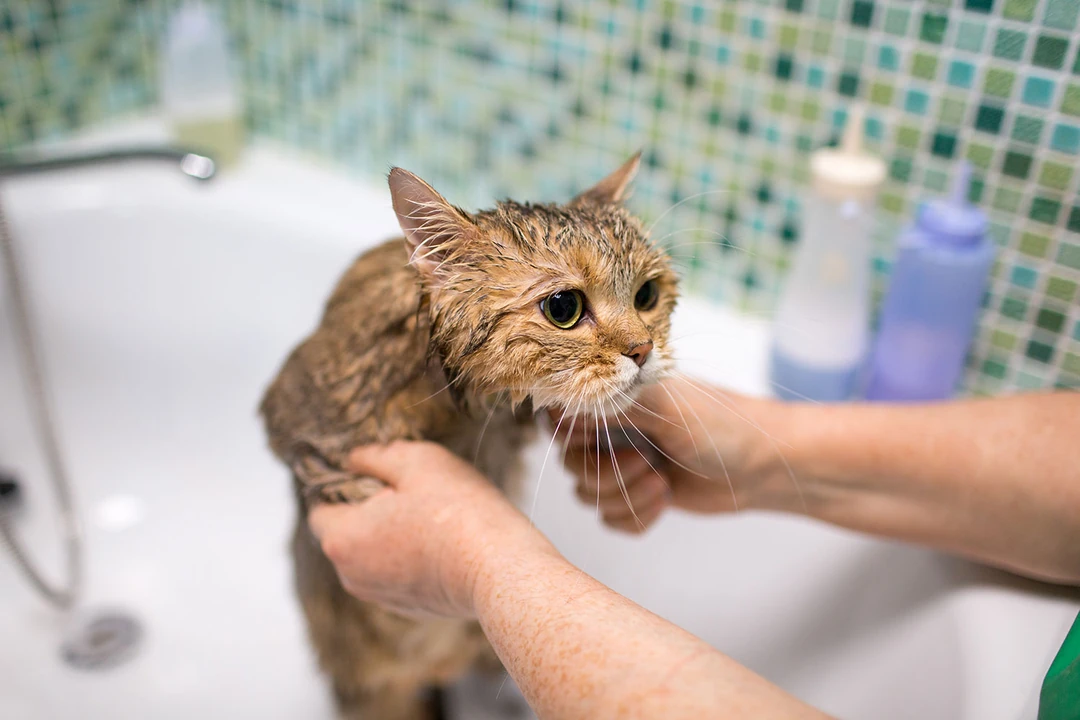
(640, 353)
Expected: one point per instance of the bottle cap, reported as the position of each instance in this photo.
(847, 172)
(954, 220)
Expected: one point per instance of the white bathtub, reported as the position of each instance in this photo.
(165, 306)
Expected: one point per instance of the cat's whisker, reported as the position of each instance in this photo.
(644, 409)
(772, 440)
(543, 466)
(670, 459)
(716, 449)
(618, 476)
(442, 389)
(634, 445)
(684, 200)
(686, 425)
(483, 430)
(702, 361)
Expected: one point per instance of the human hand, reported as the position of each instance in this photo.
(419, 546)
(707, 451)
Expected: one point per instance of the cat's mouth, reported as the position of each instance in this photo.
(613, 395)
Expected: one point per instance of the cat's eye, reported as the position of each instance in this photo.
(646, 296)
(564, 308)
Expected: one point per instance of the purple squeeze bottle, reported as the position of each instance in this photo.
(936, 289)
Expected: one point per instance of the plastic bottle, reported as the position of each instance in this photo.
(937, 284)
(198, 90)
(822, 332)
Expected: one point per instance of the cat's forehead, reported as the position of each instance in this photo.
(601, 244)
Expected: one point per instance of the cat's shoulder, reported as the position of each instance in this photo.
(381, 282)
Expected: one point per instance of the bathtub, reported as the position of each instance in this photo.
(164, 307)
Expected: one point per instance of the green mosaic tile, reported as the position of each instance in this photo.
(1061, 289)
(881, 93)
(727, 21)
(981, 156)
(828, 9)
(989, 118)
(892, 203)
(1034, 245)
(788, 37)
(1071, 363)
(862, 13)
(1055, 175)
(896, 21)
(951, 111)
(1019, 9)
(1009, 44)
(1007, 200)
(1069, 255)
(982, 6)
(1070, 104)
(1061, 14)
(821, 42)
(970, 36)
(943, 144)
(810, 111)
(907, 137)
(1016, 164)
(848, 84)
(999, 82)
(932, 28)
(1000, 234)
(1045, 210)
(924, 66)
(1050, 51)
(1003, 340)
(935, 181)
(1050, 320)
(994, 368)
(1014, 308)
(900, 169)
(1039, 351)
(1027, 129)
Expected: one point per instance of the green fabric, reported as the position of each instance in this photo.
(1060, 697)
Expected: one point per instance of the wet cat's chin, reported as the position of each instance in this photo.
(615, 396)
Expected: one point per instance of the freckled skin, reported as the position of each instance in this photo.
(453, 348)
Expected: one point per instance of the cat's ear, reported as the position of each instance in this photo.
(611, 189)
(431, 224)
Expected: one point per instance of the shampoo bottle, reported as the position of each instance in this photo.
(936, 288)
(198, 90)
(822, 323)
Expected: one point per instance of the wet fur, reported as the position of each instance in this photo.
(439, 336)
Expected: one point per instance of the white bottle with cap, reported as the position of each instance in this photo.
(822, 333)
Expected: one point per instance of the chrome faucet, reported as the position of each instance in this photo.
(192, 164)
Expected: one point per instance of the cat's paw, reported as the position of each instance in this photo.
(347, 489)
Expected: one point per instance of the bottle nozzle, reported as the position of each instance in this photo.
(851, 141)
(961, 184)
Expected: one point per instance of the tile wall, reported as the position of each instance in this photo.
(534, 99)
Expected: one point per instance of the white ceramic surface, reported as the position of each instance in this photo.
(165, 306)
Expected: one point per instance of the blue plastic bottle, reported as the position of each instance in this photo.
(928, 318)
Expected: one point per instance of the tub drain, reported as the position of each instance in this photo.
(103, 640)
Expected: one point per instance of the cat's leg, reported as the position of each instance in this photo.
(321, 479)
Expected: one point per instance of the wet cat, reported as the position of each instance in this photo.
(457, 333)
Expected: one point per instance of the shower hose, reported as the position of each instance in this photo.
(63, 596)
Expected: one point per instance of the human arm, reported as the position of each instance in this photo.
(997, 480)
(441, 540)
